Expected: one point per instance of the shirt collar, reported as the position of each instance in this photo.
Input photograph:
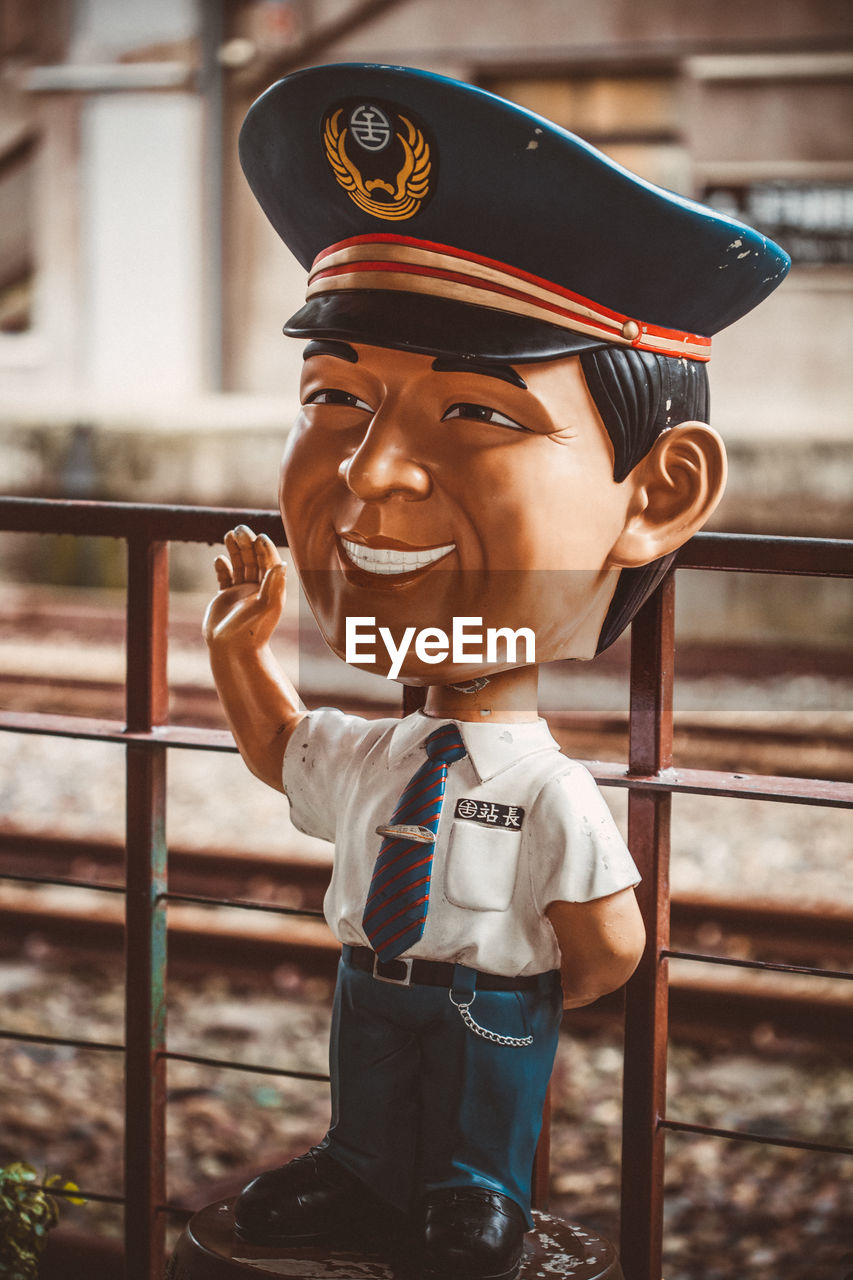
(491, 747)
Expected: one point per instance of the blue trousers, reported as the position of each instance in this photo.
(421, 1102)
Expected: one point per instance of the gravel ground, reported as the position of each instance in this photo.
(732, 1209)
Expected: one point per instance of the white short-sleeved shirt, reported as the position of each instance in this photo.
(521, 826)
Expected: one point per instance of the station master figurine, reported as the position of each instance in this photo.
(501, 445)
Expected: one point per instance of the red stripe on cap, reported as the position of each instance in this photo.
(581, 314)
(437, 273)
(467, 256)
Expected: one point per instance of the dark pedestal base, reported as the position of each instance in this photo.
(209, 1250)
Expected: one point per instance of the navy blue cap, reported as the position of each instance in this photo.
(435, 216)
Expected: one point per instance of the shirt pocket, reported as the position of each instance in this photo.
(481, 866)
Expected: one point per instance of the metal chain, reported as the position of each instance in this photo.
(512, 1042)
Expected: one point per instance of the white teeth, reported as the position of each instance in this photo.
(391, 559)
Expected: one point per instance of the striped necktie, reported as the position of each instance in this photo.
(398, 897)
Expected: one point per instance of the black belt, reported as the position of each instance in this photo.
(431, 973)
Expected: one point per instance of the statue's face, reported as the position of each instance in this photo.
(414, 491)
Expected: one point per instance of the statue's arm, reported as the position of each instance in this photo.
(600, 944)
(260, 703)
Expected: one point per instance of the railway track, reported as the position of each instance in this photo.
(256, 912)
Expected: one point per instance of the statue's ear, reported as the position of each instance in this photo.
(676, 486)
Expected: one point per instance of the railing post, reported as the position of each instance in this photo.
(145, 921)
(646, 1007)
(541, 1187)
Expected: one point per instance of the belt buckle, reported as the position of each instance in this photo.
(405, 980)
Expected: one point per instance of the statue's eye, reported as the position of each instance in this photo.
(334, 395)
(482, 413)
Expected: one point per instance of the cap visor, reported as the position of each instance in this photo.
(434, 326)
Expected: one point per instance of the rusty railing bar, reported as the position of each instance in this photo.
(757, 553)
(103, 1197)
(133, 520)
(807, 970)
(62, 1041)
(238, 904)
(257, 1068)
(65, 883)
(53, 725)
(541, 1183)
(146, 684)
(145, 926)
(739, 1135)
(711, 782)
(647, 993)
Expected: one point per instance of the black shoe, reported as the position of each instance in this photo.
(311, 1200)
(471, 1233)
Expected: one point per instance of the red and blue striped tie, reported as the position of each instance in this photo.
(398, 897)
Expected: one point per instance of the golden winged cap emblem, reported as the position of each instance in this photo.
(410, 186)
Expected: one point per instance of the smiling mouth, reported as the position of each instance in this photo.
(393, 560)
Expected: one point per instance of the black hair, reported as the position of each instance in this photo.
(638, 395)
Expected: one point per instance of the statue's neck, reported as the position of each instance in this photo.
(506, 697)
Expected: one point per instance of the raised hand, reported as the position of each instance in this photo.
(260, 703)
(248, 605)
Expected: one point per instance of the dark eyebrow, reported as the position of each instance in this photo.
(327, 347)
(506, 373)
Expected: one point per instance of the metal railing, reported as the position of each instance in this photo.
(649, 776)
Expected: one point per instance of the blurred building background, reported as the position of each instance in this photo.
(142, 292)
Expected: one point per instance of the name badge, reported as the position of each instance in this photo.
(490, 814)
